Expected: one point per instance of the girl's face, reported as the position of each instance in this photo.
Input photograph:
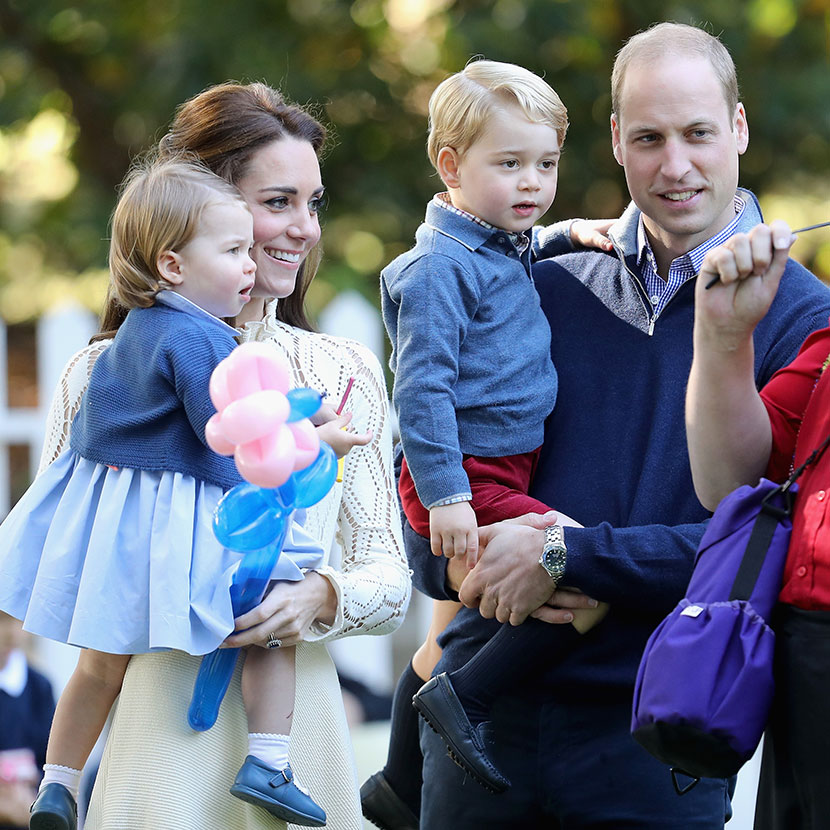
(283, 188)
(215, 269)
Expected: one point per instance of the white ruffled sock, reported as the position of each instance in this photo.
(56, 774)
(270, 748)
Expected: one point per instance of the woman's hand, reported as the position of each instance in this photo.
(592, 233)
(287, 612)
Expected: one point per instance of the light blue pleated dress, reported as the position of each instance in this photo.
(124, 560)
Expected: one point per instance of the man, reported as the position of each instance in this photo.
(614, 459)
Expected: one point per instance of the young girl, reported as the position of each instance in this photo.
(112, 547)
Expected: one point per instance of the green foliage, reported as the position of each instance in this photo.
(109, 76)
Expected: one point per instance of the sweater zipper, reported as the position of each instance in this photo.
(668, 303)
(641, 292)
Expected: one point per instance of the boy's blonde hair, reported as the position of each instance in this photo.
(675, 40)
(460, 105)
(159, 209)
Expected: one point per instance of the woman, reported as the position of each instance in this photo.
(156, 772)
(737, 434)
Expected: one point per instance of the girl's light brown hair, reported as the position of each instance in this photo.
(159, 209)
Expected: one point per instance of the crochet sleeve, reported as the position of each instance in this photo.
(373, 582)
(66, 401)
(372, 579)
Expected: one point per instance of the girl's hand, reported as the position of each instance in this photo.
(592, 233)
(287, 612)
(323, 415)
(333, 432)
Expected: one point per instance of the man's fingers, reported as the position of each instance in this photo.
(564, 598)
(486, 606)
(558, 616)
(503, 614)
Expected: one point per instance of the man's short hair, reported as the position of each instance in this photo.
(673, 39)
(460, 105)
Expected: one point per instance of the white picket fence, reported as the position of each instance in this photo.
(60, 333)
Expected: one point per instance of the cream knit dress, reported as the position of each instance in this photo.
(158, 774)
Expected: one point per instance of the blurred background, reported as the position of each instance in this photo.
(84, 87)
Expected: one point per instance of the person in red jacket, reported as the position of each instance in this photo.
(737, 434)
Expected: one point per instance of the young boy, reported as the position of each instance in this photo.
(474, 380)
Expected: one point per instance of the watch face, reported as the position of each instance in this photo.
(553, 561)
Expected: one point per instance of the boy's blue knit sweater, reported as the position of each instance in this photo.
(148, 402)
(615, 456)
(470, 350)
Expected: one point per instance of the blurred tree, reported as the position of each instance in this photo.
(83, 88)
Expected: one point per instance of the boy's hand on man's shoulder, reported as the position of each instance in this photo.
(591, 233)
(453, 531)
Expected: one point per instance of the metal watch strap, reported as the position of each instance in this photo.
(554, 553)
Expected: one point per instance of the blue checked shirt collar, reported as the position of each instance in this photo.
(520, 240)
(681, 269)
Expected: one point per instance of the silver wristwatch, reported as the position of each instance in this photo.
(555, 553)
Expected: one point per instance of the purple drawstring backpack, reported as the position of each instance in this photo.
(704, 687)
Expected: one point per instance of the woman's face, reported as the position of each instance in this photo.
(283, 188)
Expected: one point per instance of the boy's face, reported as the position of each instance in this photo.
(508, 176)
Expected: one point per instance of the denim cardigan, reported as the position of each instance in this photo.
(470, 350)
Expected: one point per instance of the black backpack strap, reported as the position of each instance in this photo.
(764, 528)
(753, 558)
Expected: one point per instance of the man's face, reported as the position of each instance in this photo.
(679, 146)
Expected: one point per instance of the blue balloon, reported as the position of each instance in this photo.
(313, 482)
(255, 521)
(245, 517)
(304, 403)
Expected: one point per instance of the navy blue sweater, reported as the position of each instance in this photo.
(615, 456)
(148, 401)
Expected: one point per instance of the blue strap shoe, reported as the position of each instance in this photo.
(276, 791)
(54, 809)
(439, 706)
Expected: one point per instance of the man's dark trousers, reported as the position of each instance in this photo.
(573, 767)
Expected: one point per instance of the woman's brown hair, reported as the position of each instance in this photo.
(224, 126)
